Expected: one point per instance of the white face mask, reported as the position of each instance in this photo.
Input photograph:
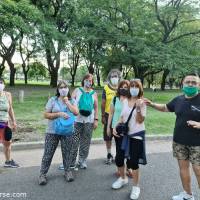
(134, 91)
(2, 86)
(63, 92)
(114, 81)
(87, 84)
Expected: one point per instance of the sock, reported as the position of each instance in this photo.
(109, 151)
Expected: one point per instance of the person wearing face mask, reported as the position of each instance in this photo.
(186, 138)
(109, 92)
(60, 106)
(132, 144)
(115, 113)
(7, 124)
(87, 120)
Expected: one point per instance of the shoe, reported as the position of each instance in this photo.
(135, 192)
(83, 165)
(11, 164)
(109, 159)
(42, 180)
(61, 167)
(69, 176)
(119, 183)
(183, 196)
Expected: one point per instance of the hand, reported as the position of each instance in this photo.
(103, 119)
(64, 115)
(108, 132)
(14, 126)
(95, 125)
(115, 133)
(147, 102)
(139, 103)
(66, 100)
(194, 124)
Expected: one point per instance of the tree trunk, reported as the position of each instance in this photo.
(91, 68)
(2, 67)
(73, 80)
(98, 76)
(163, 81)
(12, 72)
(26, 77)
(12, 76)
(54, 77)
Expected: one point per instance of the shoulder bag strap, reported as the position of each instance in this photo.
(129, 117)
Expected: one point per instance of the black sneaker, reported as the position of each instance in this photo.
(109, 159)
(11, 164)
(69, 176)
(42, 180)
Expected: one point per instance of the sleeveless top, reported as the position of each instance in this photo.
(109, 96)
(4, 107)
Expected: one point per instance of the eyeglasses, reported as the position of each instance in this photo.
(190, 83)
(114, 76)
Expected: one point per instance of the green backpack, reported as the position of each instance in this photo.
(86, 103)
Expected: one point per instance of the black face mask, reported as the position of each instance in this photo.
(123, 92)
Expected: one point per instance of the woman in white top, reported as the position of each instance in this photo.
(87, 120)
(132, 144)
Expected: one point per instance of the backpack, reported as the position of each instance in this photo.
(86, 103)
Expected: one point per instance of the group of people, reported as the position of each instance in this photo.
(72, 117)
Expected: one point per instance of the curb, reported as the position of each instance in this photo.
(40, 144)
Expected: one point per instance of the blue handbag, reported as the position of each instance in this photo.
(64, 126)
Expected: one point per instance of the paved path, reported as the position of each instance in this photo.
(159, 180)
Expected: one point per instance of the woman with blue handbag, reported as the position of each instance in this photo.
(60, 111)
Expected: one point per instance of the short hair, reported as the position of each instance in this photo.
(190, 74)
(112, 72)
(123, 82)
(137, 83)
(86, 77)
(60, 82)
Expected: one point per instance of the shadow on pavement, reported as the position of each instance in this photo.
(159, 181)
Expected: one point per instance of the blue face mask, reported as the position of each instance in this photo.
(64, 92)
(134, 91)
(87, 84)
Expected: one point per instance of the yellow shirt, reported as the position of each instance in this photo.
(110, 93)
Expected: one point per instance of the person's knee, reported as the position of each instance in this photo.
(119, 161)
(7, 144)
(134, 165)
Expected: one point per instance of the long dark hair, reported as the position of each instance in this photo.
(57, 89)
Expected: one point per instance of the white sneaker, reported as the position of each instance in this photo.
(120, 182)
(183, 196)
(83, 165)
(135, 192)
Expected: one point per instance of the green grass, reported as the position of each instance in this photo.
(29, 114)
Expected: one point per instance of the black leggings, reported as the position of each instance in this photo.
(135, 152)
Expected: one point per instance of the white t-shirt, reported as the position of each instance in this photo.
(134, 126)
(80, 118)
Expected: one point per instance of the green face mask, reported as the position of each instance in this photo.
(190, 91)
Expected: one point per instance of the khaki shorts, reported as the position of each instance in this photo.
(184, 152)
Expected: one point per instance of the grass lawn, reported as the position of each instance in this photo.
(30, 119)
